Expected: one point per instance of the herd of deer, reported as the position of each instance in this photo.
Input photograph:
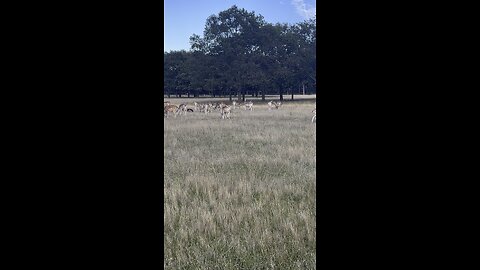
(225, 110)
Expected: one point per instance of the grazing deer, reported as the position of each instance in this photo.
(216, 105)
(249, 106)
(167, 109)
(314, 114)
(199, 107)
(206, 108)
(220, 105)
(274, 104)
(182, 109)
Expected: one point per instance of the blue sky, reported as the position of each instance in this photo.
(184, 18)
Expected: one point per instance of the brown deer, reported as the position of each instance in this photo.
(167, 109)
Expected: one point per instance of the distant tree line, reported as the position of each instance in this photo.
(240, 54)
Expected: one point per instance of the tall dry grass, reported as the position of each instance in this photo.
(240, 193)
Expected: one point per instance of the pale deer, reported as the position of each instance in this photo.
(274, 104)
(225, 111)
(249, 106)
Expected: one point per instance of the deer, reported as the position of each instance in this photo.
(206, 108)
(182, 109)
(167, 109)
(225, 111)
(249, 106)
(274, 104)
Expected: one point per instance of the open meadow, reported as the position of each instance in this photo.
(240, 193)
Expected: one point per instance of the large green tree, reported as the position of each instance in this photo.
(240, 53)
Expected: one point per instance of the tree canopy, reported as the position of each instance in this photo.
(240, 53)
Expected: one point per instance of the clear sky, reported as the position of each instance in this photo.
(183, 18)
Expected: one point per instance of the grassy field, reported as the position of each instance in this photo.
(240, 193)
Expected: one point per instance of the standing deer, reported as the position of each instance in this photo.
(225, 111)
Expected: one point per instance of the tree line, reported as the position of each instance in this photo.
(241, 54)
